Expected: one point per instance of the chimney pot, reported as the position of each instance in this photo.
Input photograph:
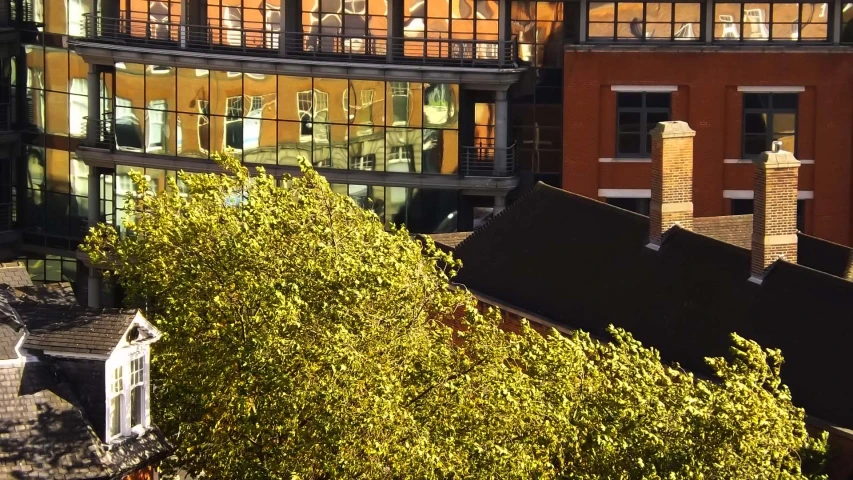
(776, 146)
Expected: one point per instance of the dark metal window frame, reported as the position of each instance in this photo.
(741, 23)
(643, 39)
(770, 110)
(643, 110)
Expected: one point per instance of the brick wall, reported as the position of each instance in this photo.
(708, 99)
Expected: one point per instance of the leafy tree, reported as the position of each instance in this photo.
(302, 340)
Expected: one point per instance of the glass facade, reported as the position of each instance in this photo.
(772, 21)
(615, 21)
(267, 119)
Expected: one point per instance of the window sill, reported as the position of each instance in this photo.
(624, 160)
(748, 160)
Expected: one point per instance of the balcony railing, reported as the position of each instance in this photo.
(104, 128)
(7, 115)
(313, 46)
(480, 162)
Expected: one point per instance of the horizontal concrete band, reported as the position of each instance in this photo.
(683, 207)
(775, 239)
(469, 185)
(475, 78)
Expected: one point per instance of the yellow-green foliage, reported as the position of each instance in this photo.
(302, 341)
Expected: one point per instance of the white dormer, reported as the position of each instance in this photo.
(128, 382)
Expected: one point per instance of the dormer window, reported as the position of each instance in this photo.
(127, 399)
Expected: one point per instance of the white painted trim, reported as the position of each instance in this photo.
(82, 356)
(624, 160)
(746, 160)
(644, 88)
(625, 192)
(769, 89)
(749, 194)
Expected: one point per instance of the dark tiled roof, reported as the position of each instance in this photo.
(73, 329)
(583, 264)
(449, 241)
(733, 229)
(14, 275)
(48, 293)
(9, 337)
(43, 433)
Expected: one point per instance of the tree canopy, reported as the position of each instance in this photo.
(304, 341)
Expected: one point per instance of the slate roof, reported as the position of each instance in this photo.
(449, 241)
(14, 275)
(43, 433)
(9, 337)
(73, 329)
(583, 264)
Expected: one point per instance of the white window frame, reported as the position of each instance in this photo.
(400, 89)
(236, 117)
(74, 26)
(78, 106)
(203, 120)
(155, 126)
(232, 20)
(272, 25)
(124, 113)
(123, 359)
(252, 122)
(305, 106)
(399, 156)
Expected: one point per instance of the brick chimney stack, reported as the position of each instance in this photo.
(774, 221)
(672, 179)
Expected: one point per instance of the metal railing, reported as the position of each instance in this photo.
(318, 46)
(7, 115)
(480, 162)
(104, 128)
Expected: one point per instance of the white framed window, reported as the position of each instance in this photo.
(232, 19)
(401, 159)
(78, 103)
(179, 137)
(304, 108)
(203, 125)
(272, 25)
(116, 403)
(233, 132)
(400, 103)
(76, 10)
(138, 392)
(155, 128)
(363, 162)
(158, 14)
(128, 131)
(128, 392)
(252, 122)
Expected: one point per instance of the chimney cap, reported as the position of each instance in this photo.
(777, 158)
(673, 129)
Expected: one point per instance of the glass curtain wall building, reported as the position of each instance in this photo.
(432, 113)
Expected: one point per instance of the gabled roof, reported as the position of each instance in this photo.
(74, 329)
(43, 433)
(584, 264)
(14, 275)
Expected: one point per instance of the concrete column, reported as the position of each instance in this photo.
(584, 13)
(395, 28)
(500, 204)
(504, 33)
(708, 26)
(501, 132)
(94, 281)
(837, 8)
(92, 27)
(291, 27)
(93, 84)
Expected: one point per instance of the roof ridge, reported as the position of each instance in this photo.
(526, 195)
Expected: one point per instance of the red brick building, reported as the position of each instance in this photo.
(721, 92)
